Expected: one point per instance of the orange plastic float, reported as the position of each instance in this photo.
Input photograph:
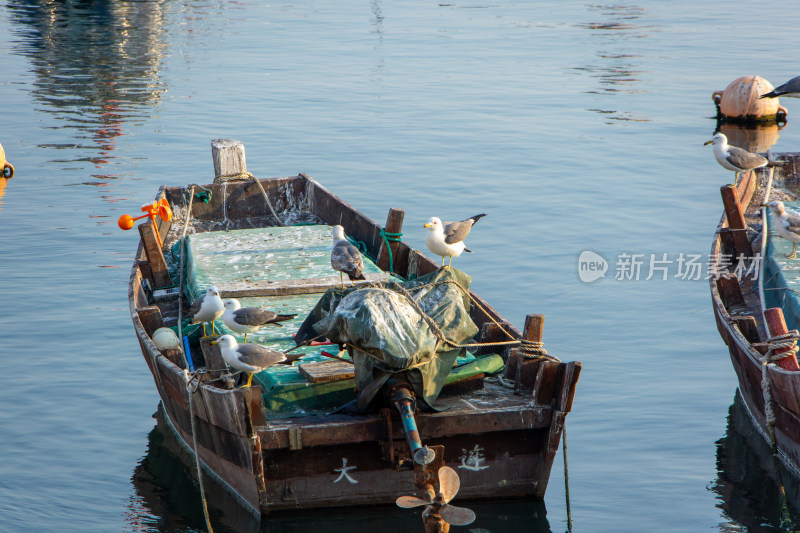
(740, 102)
(160, 208)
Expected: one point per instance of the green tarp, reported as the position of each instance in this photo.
(400, 327)
(303, 252)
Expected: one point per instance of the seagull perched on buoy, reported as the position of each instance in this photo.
(791, 89)
(206, 308)
(345, 258)
(249, 319)
(788, 226)
(248, 358)
(447, 238)
(735, 158)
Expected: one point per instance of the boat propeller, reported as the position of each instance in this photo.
(439, 515)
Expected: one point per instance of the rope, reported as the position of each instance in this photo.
(192, 383)
(387, 239)
(238, 176)
(245, 175)
(528, 349)
(190, 390)
(566, 476)
(361, 245)
(280, 222)
(779, 342)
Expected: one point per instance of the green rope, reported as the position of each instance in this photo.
(203, 196)
(361, 245)
(389, 238)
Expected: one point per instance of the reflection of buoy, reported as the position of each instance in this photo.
(755, 138)
(740, 102)
(7, 168)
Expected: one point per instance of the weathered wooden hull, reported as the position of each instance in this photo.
(742, 332)
(503, 447)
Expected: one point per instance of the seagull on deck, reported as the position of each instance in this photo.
(735, 158)
(447, 238)
(788, 226)
(249, 319)
(207, 308)
(248, 358)
(345, 258)
(791, 89)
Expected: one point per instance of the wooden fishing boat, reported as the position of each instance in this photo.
(297, 439)
(755, 303)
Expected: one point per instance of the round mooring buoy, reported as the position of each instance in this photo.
(739, 102)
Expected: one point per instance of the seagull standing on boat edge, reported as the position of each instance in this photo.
(345, 258)
(206, 308)
(791, 89)
(788, 226)
(735, 158)
(248, 358)
(249, 319)
(447, 238)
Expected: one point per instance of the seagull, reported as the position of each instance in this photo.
(788, 226)
(207, 308)
(249, 319)
(735, 158)
(447, 238)
(791, 88)
(345, 258)
(248, 358)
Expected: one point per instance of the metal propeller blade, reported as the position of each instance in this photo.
(457, 516)
(407, 502)
(448, 483)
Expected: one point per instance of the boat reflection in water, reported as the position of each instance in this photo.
(747, 483)
(167, 499)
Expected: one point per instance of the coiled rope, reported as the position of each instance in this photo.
(389, 238)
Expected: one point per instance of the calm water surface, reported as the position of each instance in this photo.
(576, 126)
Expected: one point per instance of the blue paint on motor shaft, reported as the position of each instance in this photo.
(409, 424)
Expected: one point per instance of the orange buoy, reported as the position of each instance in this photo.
(740, 102)
(7, 168)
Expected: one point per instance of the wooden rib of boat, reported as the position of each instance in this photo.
(500, 435)
(753, 306)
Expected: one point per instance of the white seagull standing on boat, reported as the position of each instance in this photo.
(249, 319)
(345, 258)
(788, 226)
(791, 89)
(248, 358)
(735, 158)
(447, 238)
(207, 308)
